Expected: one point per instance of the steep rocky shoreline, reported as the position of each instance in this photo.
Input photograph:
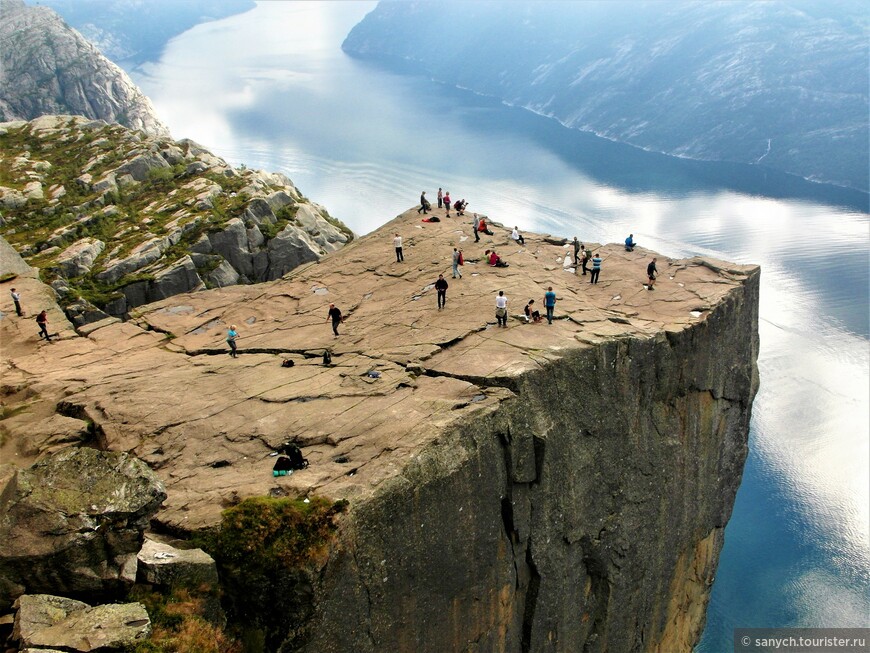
(535, 488)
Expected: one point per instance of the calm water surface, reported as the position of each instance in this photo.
(272, 89)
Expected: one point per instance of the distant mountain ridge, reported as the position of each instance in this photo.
(134, 31)
(780, 83)
(46, 68)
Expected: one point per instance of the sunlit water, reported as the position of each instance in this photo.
(272, 89)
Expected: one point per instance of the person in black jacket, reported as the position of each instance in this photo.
(441, 287)
(335, 316)
(651, 273)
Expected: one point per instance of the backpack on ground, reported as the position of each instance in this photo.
(327, 357)
(461, 259)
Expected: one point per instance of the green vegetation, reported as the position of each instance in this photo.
(269, 553)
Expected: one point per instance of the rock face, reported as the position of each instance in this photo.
(46, 67)
(538, 487)
(142, 219)
(775, 83)
(73, 523)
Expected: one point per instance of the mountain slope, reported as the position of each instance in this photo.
(784, 84)
(46, 67)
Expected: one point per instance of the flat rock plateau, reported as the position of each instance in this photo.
(503, 482)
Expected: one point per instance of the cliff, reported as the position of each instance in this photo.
(46, 67)
(538, 487)
(115, 219)
(783, 84)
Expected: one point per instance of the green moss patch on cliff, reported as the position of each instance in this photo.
(269, 552)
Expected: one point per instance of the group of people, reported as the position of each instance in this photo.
(584, 257)
(41, 317)
(443, 203)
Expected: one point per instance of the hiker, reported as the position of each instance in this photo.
(447, 202)
(587, 256)
(550, 303)
(424, 203)
(16, 299)
(577, 246)
(42, 321)
(651, 273)
(440, 199)
(629, 243)
(501, 309)
(517, 236)
(596, 268)
(397, 243)
(476, 228)
(457, 261)
(482, 228)
(532, 315)
(494, 259)
(460, 207)
(441, 287)
(232, 334)
(336, 317)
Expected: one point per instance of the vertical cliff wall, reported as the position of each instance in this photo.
(584, 514)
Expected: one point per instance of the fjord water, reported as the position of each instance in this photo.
(271, 89)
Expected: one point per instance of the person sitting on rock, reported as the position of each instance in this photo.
(482, 228)
(495, 260)
(532, 315)
(629, 243)
(517, 236)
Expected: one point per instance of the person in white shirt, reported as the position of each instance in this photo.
(16, 299)
(397, 243)
(501, 308)
(517, 236)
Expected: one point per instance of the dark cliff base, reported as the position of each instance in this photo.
(585, 514)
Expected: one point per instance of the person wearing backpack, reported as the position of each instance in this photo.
(457, 261)
(441, 287)
(596, 268)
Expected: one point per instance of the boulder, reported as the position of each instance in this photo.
(279, 199)
(164, 565)
(73, 523)
(82, 312)
(51, 621)
(223, 275)
(140, 167)
(258, 211)
(106, 184)
(328, 236)
(11, 198)
(78, 258)
(180, 277)
(288, 250)
(143, 255)
(232, 244)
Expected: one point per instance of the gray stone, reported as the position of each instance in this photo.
(279, 199)
(144, 254)
(84, 181)
(162, 564)
(140, 167)
(33, 191)
(180, 277)
(289, 249)
(223, 275)
(232, 244)
(36, 612)
(103, 627)
(106, 184)
(82, 312)
(12, 199)
(255, 238)
(78, 258)
(258, 211)
(201, 246)
(73, 523)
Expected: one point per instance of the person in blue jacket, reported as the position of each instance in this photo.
(629, 243)
(550, 303)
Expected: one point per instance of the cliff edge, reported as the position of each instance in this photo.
(539, 487)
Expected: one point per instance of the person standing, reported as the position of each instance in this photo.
(447, 202)
(424, 204)
(584, 259)
(651, 273)
(42, 321)
(476, 228)
(501, 309)
(550, 303)
(336, 317)
(517, 236)
(397, 243)
(232, 334)
(441, 287)
(457, 261)
(16, 299)
(440, 198)
(596, 268)
(577, 246)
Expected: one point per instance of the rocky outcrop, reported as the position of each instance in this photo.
(44, 621)
(142, 219)
(73, 524)
(530, 488)
(164, 565)
(46, 67)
